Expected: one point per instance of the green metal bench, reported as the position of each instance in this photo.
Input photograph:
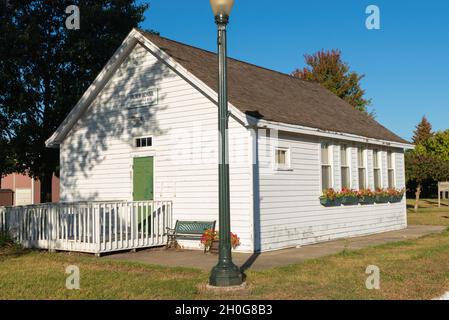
(188, 230)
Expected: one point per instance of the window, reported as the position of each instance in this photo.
(377, 170)
(391, 183)
(362, 168)
(282, 159)
(345, 172)
(326, 169)
(143, 142)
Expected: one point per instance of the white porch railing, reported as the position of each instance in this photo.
(93, 227)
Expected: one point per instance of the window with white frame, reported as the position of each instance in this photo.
(391, 182)
(377, 169)
(362, 167)
(282, 158)
(345, 171)
(326, 167)
(143, 142)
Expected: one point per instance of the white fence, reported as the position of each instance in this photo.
(97, 227)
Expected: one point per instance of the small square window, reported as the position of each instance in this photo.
(144, 142)
(282, 158)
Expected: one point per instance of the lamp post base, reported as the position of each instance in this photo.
(241, 288)
(226, 275)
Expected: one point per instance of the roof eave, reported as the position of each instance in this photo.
(280, 126)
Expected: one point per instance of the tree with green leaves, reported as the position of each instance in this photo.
(423, 131)
(5, 152)
(428, 163)
(48, 67)
(437, 145)
(328, 69)
(422, 167)
(6, 158)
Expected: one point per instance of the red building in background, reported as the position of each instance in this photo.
(18, 189)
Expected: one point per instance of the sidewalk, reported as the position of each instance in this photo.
(199, 260)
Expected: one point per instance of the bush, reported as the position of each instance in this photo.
(5, 239)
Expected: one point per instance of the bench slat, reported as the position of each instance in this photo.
(193, 227)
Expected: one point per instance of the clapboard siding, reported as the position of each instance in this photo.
(97, 154)
(290, 212)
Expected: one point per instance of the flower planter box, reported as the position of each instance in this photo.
(349, 201)
(330, 203)
(367, 200)
(395, 199)
(382, 199)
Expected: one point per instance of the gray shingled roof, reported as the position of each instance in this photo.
(275, 96)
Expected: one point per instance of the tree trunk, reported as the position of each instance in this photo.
(417, 194)
(46, 187)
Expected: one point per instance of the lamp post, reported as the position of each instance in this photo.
(225, 273)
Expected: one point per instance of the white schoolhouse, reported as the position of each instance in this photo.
(146, 129)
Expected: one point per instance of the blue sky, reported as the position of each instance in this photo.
(406, 63)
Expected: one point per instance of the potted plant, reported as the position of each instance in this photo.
(330, 198)
(210, 240)
(235, 241)
(395, 195)
(382, 196)
(348, 197)
(366, 196)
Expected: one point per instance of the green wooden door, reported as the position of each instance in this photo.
(143, 189)
(143, 179)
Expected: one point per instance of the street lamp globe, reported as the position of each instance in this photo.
(222, 7)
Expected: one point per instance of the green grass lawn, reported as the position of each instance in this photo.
(428, 213)
(416, 269)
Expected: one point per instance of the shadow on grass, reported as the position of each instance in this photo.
(12, 250)
(427, 204)
(9, 248)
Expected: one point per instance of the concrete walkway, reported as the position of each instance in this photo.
(197, 259)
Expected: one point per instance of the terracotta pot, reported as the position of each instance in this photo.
(214, 247)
